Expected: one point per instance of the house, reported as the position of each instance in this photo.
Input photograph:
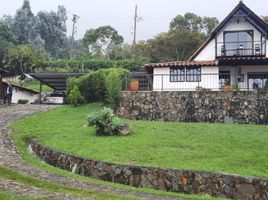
(235, 56)
(19, 93)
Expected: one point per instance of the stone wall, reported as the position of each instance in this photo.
(183, 181)
(204, 106)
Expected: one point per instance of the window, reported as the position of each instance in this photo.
(238, 43)
(258, 80)
(193, 74)
(177, 74)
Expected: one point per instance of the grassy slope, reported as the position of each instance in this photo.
(240, 149)
(21, 139)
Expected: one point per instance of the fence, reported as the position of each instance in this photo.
(193, 82)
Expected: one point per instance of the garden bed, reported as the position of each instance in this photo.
(236, 149)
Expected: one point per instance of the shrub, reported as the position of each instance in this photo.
(113, 85)
(92, 86)
(75, 98)
(107, 123)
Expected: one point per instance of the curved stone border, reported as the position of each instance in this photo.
(184, 181)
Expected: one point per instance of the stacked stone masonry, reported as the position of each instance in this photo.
(205, 106)
(183, 181)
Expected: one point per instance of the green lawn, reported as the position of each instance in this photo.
(239, 149)
(35, 85)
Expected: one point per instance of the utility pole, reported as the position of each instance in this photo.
(136, 20)
(74, 20)
(135, 27)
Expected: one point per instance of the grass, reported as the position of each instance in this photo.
(35, 85)
(238, 149)
(7, 196)
(54, 187)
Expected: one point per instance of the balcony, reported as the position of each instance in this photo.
(247, 48)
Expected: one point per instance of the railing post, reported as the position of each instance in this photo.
(247, 81)
(162, 82)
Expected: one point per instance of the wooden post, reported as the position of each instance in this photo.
(40, 92)
(1, 87)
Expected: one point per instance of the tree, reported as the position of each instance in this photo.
(265, 18)
(51, 27)
(23, 24)
(24, 58)
(102, 40)
(193, 23)
(173, 45)
(7, 41)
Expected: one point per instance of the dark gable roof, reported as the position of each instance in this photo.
(240, 10)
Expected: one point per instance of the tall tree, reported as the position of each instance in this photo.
(51, 27)
(23, 24)
(194, 23)
(102, 40)
(173, 45)
(7, 41)
(25, 58)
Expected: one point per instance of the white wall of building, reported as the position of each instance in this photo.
(209, 80)
(208, 53)
(24, 95)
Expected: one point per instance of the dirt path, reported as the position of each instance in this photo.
(10, 158)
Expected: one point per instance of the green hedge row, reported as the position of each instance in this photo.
(94, 64)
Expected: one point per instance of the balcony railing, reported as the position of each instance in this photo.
(247, 48)
(207, 82)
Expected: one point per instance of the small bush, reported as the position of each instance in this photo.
(75, 98)
(107, 123)
(113, 85)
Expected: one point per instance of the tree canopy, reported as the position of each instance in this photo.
(102, 40)
(194, 23)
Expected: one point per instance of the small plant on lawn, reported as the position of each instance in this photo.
(75, 98)
(107, 123)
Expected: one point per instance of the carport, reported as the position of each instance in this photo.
(56, 81)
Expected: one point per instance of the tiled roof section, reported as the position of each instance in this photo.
(183, 64)
(243, 58)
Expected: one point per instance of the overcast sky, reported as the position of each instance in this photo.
(156, 14)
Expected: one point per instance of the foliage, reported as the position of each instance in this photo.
(24, 58)
(100, 41)
(113, 86)
(7, 41)
(190, 22)
(173, 45)
(105, 121)
(75, 98)
(92, 86)
(51, 27)
(23, 24)
(93, 64)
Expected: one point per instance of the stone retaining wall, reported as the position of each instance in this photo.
(216, 107)
(183, 181)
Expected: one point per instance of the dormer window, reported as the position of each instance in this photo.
(238, 43)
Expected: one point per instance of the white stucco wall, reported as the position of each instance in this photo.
(208, 53)
(18, 94)
(209, 79)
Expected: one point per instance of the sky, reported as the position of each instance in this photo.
(156, 14)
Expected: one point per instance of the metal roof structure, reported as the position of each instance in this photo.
(57, 81)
